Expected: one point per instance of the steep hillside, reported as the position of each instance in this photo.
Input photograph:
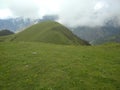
(5, 32)
(48, 32)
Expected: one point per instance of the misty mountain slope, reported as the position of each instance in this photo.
(16, 24)
(98, 34)
(114, 38)
(48, 32)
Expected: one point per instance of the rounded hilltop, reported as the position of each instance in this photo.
(49, 32)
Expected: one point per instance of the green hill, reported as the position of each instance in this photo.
(42, 66)
(48, 32)
(5, 32)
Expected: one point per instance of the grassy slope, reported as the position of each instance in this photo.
(6, 38)
(39, 66)
(50, 32)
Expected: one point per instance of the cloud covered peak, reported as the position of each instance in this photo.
(70, 12)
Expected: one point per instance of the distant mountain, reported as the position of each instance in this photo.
(114, 38)
(17, 24)
(5, 32)
(48, 32)
(94, 34)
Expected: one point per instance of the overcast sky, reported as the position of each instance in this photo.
(70, 12)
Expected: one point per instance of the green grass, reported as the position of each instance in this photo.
(7, 38)
(40, 66)
(48, 32)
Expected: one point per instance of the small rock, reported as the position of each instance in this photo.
(34, 52)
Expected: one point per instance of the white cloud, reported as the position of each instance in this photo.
(71, 12)
(24, 8)
(89, 12)
(49, 6)
(5, 13)
(101, 5)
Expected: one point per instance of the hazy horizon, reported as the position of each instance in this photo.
(70, 12)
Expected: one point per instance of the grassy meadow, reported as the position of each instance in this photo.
(42, 66)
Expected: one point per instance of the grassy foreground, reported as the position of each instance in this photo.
(39, 66)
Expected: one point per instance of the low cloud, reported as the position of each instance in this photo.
(24, 8)
(89, 12)
(71, 12)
